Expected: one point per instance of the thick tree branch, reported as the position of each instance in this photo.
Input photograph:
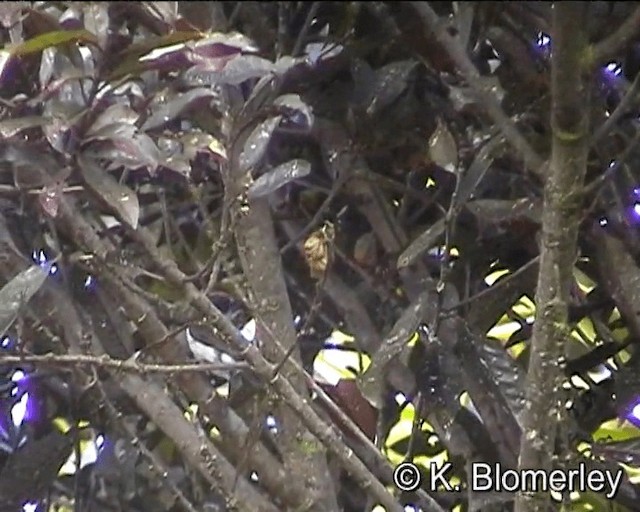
(608, 48)
(327, 434)
(195, 448)
(560, 223)
(260, 258)
(272, 474)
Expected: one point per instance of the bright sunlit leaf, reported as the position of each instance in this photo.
(614, 430)
(494, 276)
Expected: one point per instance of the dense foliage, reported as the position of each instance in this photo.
(254, 255)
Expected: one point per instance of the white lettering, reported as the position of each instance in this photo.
(481, 470)
(614, 484)
(558, 481)
(437, 475)
(485, 477)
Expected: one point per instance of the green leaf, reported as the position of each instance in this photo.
(50, 39)
(612, 430)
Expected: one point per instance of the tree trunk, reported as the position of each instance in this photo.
(560, 223)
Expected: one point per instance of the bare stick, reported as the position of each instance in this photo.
(128, 365)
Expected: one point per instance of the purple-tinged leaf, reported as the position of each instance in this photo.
(115, 114)
(278, 177)
(11, 127)
(257, 143)
(176, 162)
(112, 131)
(220, 45)
(162, 114)
(71, 19)
(120, 198)
(49, 199)
(296, 111)
(131, 152)
(213, 48)
(168, 57)
(262, 95)
(231, 71)
(149, 152)
(316, 52)
(17, 292)
(172, 42)
(245, 67)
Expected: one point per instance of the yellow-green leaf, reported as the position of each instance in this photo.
(50, 39)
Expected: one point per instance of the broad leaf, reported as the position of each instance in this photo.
(231, 70)
(257, 143)
(421, 244)
(476, 172)
(297, 112)
(391, 82)
(17, 292)
(132, 152)
(443, 149)
(118, 114)
(57, 38)
(507, 374)
(279, 176)
(120, 198)
(49, 199)
(11, 127)
(162, 114)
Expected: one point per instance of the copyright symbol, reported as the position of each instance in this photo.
(407, 477)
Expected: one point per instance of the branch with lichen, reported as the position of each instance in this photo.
(560, 224)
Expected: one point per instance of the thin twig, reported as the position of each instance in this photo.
(128, 365)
